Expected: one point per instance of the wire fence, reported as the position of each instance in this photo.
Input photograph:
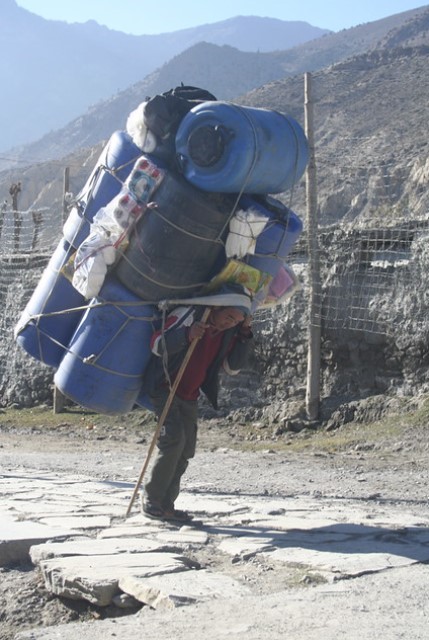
(372, 275)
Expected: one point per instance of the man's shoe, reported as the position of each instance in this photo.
(153, 511)
(176, 515)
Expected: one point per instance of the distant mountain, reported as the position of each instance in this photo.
(389, 32)
(370, 113)
(226, 72)
(52, 71)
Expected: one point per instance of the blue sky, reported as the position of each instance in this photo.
(160, 16)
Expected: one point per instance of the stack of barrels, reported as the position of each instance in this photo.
(226, 158)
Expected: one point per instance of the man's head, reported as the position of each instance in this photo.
(235, 311)
(222, 318)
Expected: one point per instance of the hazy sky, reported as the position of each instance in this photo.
(160, 16)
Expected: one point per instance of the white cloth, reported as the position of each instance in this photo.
(244, 228)
(140, 134)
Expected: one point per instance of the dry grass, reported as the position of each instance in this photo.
(408, 427)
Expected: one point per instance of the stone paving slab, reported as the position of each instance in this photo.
(386, 605)
(339, 563)
(310, 519)
(356, 549)
(93, 547)
(186, 535)
(127, 531)
(96, 578)
(111, 509)
(106, 556)
(17, 537)
(172, 590)
(212, 505)
(141, 526)
(78, 522)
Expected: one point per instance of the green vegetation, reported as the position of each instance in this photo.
(73, 417)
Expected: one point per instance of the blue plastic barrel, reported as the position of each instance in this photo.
(176, 246)
(108, 354)
(105, 182)
(49, 319)
(229, 148)
(277, 238)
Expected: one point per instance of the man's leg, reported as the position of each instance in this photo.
(176, 444)
(189, 413)
(170, 444)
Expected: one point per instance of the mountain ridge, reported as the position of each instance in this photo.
(62, 69)
(226, 71)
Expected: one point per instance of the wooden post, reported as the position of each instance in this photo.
(37, 222)
(15, 190)
(315, 299)
(59, 398)
(66, 189)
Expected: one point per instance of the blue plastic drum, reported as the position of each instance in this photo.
(52, 313)
(108, 354)
(105, 182)
(228, 148)
(277, 238)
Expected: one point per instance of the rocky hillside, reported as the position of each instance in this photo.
(227, 71)
(370, 113)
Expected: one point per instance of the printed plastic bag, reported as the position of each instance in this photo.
(111, 226)
(280, 289)
(91, 261)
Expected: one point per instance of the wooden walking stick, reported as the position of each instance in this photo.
(165, 412)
